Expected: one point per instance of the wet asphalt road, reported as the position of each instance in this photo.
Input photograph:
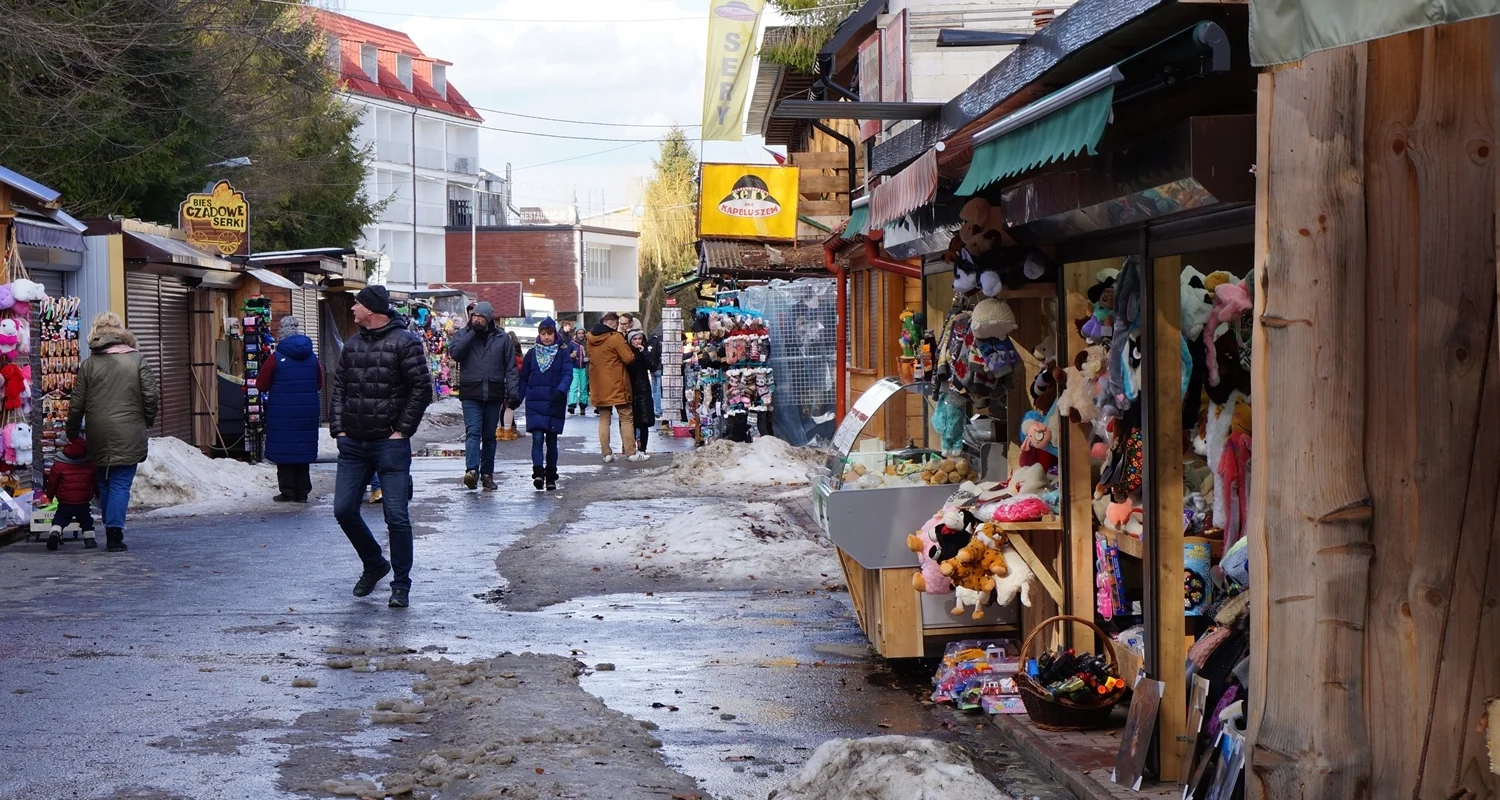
(140, 674)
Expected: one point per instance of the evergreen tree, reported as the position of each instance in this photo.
(669, 227)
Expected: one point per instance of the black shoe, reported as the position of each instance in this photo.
(400, 598)
(552, 480)
(54, 539)
(537, 476)
(368, 579)
(471, 479)
(114, 540)
(283, 498)
(488, 482)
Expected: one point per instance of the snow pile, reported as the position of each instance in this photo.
(888, 768)
(176, 473)
(767, 461)
(719, 542)
(447, 411)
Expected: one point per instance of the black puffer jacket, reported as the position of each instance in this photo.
(382, 385)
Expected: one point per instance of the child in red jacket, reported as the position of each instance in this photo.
(72, 484)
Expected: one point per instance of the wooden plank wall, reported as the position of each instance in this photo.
(1376, 569)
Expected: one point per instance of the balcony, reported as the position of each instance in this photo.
(397, 210)
(429, 158)
(393, 151)
(463, 164)
(433, 214)
(459, 215)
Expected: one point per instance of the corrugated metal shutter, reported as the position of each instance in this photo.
(156, 311)
(305, 307)
(55, 282)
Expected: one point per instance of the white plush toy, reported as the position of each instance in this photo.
(27, 291)
(20, 441)
(10, 336)
(1016, 580)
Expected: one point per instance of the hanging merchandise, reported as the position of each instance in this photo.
(734, 373)
(672, 362)
(258, 348)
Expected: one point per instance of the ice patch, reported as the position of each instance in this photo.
(767, 461)
(177, 476)
(722, 541)
(888, 768)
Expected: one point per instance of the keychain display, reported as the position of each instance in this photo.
(258, 348)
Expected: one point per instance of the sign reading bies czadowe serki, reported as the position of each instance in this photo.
(217, 220)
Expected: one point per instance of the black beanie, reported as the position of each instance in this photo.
(375, 299)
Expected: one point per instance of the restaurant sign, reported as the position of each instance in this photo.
(217, 220)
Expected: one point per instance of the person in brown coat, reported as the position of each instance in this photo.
(609, 385)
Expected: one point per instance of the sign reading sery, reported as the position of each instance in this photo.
(218, 220)
(732, 26)
(750, 201)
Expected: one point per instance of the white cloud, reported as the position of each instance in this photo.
(593, 69)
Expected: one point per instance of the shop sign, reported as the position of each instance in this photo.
(869, 82)
(217, 220)
(732, 25)
(893, 60)
(748, 201)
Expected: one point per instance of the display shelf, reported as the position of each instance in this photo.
(1128, 545)
(1047, 523)
(972, 630)
(1034, 291)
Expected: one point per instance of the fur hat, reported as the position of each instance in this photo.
(992, 319)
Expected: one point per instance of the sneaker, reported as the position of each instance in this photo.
(639, 456)
(400, 598)
(376, 496)
(471, 479)
(488, 482)
(609, 459)
(368, 579)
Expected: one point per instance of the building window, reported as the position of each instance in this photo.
(440, 80)
(597, 264)
(403, 70)
(334, 55)
(369, 61)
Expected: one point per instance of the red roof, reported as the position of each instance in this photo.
(352, 33)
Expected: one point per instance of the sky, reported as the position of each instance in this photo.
(576, 60)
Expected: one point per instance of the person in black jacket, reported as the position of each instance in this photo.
(647, 361)
(488, 382)
(380, 392)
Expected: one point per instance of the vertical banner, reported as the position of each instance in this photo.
(869, 82)
(732, 25)
(893, 60)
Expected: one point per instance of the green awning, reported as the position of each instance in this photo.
(1061, 134)
(859, 220)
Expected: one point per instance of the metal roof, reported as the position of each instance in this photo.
(21, 183)
(722, 254)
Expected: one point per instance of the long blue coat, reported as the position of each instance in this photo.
(546, 391)
(292, 407)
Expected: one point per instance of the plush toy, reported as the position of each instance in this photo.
(971, 585)
(15, 384)
(1197, 302)
(1079, 398)
(1037, 445)
(27, 291)
(948, 419)
(930, 578)
(7, 296)
(1030, 479)
(1015, 582)
(18, 444)
(10, 336)
(1232, 300)
(965, 275)
(992, 319)
(982, 228)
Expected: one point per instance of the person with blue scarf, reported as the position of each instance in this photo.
(546, 376)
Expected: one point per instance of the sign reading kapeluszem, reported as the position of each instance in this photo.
(218, 220)
(748, 201)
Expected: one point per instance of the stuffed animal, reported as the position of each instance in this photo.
(1197, 302)
(18, 444)
(982, 228)
(15, 384)
(948, 420)
(7, 296)
(1079, 398)
(965, 275)
(930, 578)
(971, 585)
(1030, 479)
(1015, 582)
(1231, 300)
(10, 336)
(1037, 445)
(27, 291)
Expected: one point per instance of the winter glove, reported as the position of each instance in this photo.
(513, 403)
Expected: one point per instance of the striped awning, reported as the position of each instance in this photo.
(859, 223)
(906, 191)
(1072, 129)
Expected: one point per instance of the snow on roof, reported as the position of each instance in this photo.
(352, 33)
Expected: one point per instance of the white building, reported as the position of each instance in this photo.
(423, 138)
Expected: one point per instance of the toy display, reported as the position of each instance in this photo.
(56, 363)
(435, 328)
(979, 675)
(734, 372)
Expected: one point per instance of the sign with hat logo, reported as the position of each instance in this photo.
(217, 221)
(748, 201)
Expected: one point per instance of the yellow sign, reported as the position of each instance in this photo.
(732, 25)
(217, 221)
(748, 201)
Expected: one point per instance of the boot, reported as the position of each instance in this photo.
(114, 540)
(488, 482)
(88, 540)
(552, 480)
(54, 538)
(471, 479)
(538, 475)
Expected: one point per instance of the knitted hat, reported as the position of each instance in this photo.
(992, 319)
(289, 326)
(375, 299)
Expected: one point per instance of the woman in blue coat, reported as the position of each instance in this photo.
(546, 376)
(290, 382)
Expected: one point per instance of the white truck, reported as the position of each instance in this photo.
(536, 308)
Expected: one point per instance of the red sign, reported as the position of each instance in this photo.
(869, 82)
(893, 60)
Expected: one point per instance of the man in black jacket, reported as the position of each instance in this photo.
(488, 381)
(380, 392)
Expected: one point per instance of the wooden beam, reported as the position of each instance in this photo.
(1042, 569)
(1309, 739)
(827, 159)
(1077, 466)
(1166, 517)
(823, 208)
(813, 183)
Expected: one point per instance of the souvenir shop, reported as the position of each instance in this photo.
(729, 370)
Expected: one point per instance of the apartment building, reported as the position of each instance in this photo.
(424, 143)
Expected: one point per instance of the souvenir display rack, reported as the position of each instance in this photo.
(732, 350)
(258, 349)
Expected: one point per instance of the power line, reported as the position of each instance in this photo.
(591, 122)
(585, 155)
(410, 15)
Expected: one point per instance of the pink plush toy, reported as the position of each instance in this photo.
(1232, 300)
(924, 543)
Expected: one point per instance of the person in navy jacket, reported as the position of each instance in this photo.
(546, 376)
(291, 382)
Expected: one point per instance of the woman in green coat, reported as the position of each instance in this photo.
(116, 397)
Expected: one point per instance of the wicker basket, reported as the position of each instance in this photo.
(1065, 715)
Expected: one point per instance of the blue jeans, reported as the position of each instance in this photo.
(114, 494)
(656, 392)
(480, 421)
(358, 462)
(375, 482)
(544, 440)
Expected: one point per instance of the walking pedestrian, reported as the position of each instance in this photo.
(513, 401)
(640, 391)
(546, 377)
(487, 379)
(578, 395)
(116, 396)
(292, 383)
(72, 482)
(609, 385)
(380, 391)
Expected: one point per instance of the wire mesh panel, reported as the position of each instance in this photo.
(803, 319)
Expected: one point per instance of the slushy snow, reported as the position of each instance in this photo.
(888, 768)
(176, 474)
(767, 461)
(723, 541)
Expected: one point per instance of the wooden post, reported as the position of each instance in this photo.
(1308, 736)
